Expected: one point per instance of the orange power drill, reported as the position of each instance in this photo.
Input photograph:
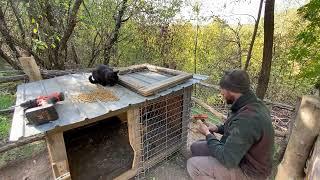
(43, 100)
(41, 109)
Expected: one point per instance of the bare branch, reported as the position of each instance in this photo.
(12, 63)
(6, 34)
(71, 24)
(115, 33)
(253, 36)
(18, 18)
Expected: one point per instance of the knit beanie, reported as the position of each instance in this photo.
(236, 81)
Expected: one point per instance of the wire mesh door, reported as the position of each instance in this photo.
(164, 128)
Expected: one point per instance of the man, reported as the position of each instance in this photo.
(246, 147)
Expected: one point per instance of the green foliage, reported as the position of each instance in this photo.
(155, 34)
(307, 44)
(5, 124)
(22, 152)
(6, 100)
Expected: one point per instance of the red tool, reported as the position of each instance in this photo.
(43, 100)
(201, 117)
(41, 109)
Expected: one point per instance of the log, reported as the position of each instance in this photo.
(304, 132)
(21, 142)
(215, 87)
(277, 104)
(45, 74)
(221, 116)
(6, 111)
(280, 133)
(12, 71)
(13, 78)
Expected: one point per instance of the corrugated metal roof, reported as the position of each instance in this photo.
(72, 112)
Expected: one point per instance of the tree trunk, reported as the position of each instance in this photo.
(267, 49)
(75, 55)
(72, 21)
(196, 48)
(113, 38)
(253, 36)
(6, 34)
(18, 18)
(8, 59)
(305, 130)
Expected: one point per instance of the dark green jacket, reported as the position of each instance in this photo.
(248, 138)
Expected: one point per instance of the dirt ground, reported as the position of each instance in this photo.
(38, 168)
(35, 168)
(172, 169)
(88, 158)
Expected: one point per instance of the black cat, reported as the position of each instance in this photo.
(104, 75)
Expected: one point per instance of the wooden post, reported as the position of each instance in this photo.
(134, 129)
(30, 68)
(58, 155)
(134, 135)
(305, 130)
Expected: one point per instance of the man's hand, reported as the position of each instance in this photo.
(202, 128)
(212, 127)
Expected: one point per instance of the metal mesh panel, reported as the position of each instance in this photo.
(164, 128)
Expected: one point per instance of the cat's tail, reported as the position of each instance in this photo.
(93, 81)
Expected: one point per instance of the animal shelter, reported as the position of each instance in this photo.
(116, 132)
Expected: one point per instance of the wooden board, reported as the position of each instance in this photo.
(31, 68)
(134, 135)
(135, 142)
(58, 155)
(147, 79)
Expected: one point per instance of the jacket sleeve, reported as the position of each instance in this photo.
(241, 138)
(220, 129)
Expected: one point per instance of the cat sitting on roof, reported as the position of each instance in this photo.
(104, 75)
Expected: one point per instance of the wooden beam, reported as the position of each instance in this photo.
(6, 79)
(21, 142)
(162, 69)
(6, 111)
(279, 105)
(127, 175)
(88, 121)
(57, 154)
(221, 116)
(178, 77)
(173, 81)
(45, 74)
(30, 67)
(214, 87)
(133, 117)
(134, 135)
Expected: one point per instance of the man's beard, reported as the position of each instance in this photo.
(230, 100)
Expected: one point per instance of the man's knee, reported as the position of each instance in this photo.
(199, 148)
(199, 168)
(193, 147)
(191, 167)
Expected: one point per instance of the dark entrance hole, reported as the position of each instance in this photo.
(100, 150)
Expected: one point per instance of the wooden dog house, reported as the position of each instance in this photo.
(155, 123)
